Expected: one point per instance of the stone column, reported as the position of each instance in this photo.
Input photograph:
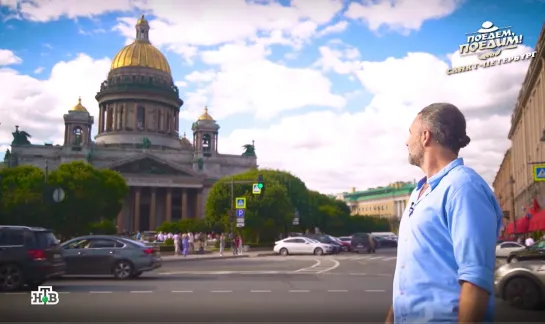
(199, 204)
(169, 205)
(99, 119)
(184, 203)
(136, 209)
(153, 209)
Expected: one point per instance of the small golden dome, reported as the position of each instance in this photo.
(184, 140)
(205, 115)
(79, 107)
(141, 53)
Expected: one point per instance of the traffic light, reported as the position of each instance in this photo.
(260, 182)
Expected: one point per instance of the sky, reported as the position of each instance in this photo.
(327, 89)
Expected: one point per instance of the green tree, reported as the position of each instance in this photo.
(21, 196)
(91, 196)
(266, 214)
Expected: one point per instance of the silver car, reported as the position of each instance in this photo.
(522, 284)
(109, 255)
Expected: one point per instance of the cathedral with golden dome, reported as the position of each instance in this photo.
(138, 122)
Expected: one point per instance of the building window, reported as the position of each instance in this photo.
(140, 117)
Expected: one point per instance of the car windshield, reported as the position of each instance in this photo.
(313, 240)
(137, 243)
(345, 239)
(46, 239)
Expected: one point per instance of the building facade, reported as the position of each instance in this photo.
(527, 132)
(169, 175)
(388, 202)
(503, 188)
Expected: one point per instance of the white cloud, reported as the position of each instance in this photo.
(333, 29)
(201, 76)
(7, 57)
(39, 70)
(38, 106)
(335, 151)
(400, 15)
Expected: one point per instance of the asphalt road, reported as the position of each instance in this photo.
(342, 288)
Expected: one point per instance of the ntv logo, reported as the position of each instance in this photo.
(487, 43)
(45, 295)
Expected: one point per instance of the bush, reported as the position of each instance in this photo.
(169, 242)
(166, 248)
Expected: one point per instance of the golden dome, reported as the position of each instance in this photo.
(205, 115)
(79, 107)
(184, 140)
(141, 53)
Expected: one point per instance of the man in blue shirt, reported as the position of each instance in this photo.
(447, 236)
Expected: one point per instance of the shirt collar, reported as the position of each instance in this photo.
(434, 180)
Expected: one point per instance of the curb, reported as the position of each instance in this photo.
(182, 259)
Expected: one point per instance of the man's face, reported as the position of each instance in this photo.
(414, 144)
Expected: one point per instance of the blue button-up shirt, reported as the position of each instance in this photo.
(446, 236)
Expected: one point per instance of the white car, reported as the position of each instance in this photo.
(301, 245)
(503, 249)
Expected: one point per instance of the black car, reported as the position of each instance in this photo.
(337, 248)
(534, 252)
(28, 256)
(385, 242)
(360, 243)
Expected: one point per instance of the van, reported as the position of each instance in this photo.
(360, 243)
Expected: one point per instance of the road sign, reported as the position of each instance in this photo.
(539, 172)
(296, 221)
(240, 203)
(45, 295)
(256, 189)
(240, 222)
(58, 195)
(241, 213)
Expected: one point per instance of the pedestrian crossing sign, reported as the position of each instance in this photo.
(539, 172)
(240, 203)
(256, 190)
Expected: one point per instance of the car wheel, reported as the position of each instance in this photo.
(318, 251)
(122, 270)
(284, 251)
(513, 260)
(11, 277)
(522, 293)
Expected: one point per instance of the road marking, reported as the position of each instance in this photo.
(375, 290)
(141, 291)
(337, 291)
(100, 292)
(388, 259)
(335, 266)
(182, 291)
(358, 274)
(317, 264)
(221, 291)
(64, 292)
(299, 291)
(211, 273)
(260, 291)
(375, 258)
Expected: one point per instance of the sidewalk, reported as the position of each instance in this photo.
(214, 256)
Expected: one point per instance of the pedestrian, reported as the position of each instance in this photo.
(371, 248)
(235, 245)
(447, 235)
(177, 244)
(222, 244)
(239, 248)
(529, 241)
(185, 244)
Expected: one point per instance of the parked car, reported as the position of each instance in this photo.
(28, 256)
(360, 243)
(522, 284)
(326, 239)
(347, 240)
(505, 248)
(534, 252)
(301, 245)
(345, 246)
(386, 242)
(110, 255)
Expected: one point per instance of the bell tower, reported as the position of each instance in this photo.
(77, 126)
(142, 30)
(205, 135)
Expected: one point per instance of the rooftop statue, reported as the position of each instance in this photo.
(7, 155)
(20, 137)
(249, 150)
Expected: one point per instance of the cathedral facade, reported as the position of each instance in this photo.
(169, 175)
